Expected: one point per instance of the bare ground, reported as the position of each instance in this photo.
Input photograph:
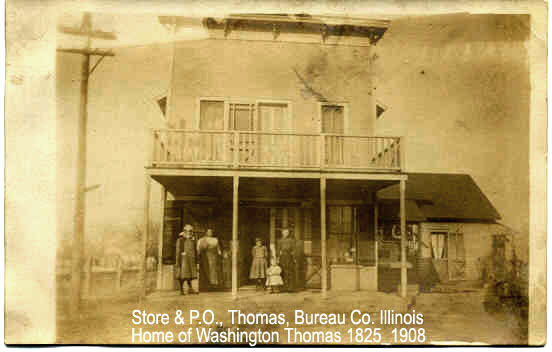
(448, 317)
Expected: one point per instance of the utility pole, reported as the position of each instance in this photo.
(80, 192)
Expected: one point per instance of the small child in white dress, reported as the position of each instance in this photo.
(274, 278)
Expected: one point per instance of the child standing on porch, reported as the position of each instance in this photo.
(258, 264)
(274, 280)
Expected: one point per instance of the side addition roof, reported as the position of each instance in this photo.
(443, 197)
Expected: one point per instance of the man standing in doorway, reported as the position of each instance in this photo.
(286, 254)
(185, 269)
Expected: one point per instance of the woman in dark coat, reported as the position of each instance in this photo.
(186, 259)
(209, 253)
(286, 253)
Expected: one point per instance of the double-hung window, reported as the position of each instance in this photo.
(258, 123)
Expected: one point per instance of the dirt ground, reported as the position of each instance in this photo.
(447, 317)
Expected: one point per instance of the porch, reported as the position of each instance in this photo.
(331, 216)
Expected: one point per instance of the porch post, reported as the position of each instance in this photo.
(145, 237)
(160, 239)
(298, 223)
(324, 264)
(235, 237)
(376, 226)
(272, 233)
(403, 240)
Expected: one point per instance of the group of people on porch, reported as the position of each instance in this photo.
(275, 271)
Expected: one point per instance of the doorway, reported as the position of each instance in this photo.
(267, 223)
(253, 223)
(448, 255)
(333, 121)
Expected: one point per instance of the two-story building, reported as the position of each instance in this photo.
(270, 125)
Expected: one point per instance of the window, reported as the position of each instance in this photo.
(223, 114)
(273, 116)
(241, 117)
(341, 220)
(211, 115)
(333, 118)
(342, 226)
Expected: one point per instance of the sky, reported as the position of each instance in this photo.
(458, 89)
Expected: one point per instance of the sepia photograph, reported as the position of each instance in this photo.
(279, 174)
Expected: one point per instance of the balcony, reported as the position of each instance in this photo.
(275, 150)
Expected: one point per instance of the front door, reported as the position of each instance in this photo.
(267, 223)
(439, 253)
(274, 148)
(448, 255)
(242, 117)
(263, 145)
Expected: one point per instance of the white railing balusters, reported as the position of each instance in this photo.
(255, 149)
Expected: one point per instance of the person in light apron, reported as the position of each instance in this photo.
(209, 255)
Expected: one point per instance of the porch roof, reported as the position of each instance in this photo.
(265, 188)
(443, 196)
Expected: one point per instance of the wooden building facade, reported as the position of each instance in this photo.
(270, 124)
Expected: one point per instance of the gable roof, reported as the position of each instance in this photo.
(444, 197)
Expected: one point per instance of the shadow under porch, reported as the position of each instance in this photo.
(262, 207)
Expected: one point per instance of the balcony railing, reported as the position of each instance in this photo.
(252, 149)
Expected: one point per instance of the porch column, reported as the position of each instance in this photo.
(145, 237)
(403, 240)
(160, 239)
(323, 270)
(298, 223)
(376, 225)
(272, 233)
(235, 237)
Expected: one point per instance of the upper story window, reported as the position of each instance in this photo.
(333, 117)
(273, 116)
(241, 117)
(221, 114)
(211, 115)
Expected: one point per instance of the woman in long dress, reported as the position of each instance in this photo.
(286, 256)
(209, 251)
(226, 267)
